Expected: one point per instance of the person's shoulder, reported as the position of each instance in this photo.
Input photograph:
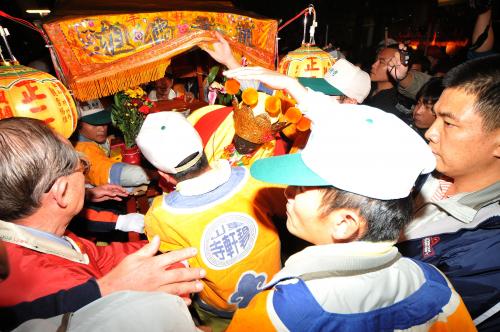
(172, 94)
(83, 244)
(157, 203)
(152, 95)
(83, 146)
(248, 185)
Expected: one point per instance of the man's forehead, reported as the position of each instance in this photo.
(164, 80)
(454, 102)
(387, 52)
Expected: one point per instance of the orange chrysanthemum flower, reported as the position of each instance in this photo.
(293, 115)
(232, 86)
(250, 97)
(286, 101)
(303, 124)
(273, 106)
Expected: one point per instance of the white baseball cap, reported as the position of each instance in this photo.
(93, 112)
(166, 139)
(356, 148)
(343, 78)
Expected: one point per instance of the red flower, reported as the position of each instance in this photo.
(183, 28)
(144, 109)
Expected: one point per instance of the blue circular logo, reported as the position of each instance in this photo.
(228, 239)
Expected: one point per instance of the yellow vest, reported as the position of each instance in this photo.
(233, 233)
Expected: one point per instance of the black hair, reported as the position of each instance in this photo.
(431, 90)
(385, 218)
(199, 167)
(418, 57)
(479, 78)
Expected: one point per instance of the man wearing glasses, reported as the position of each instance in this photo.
(42, 185)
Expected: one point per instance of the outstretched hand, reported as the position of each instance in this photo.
(106, 192)
(220, 51)
(271, 78)
(396, 69)
(143, 271)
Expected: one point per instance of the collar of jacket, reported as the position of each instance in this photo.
(12, 233)
(341, 258)
(464, 206)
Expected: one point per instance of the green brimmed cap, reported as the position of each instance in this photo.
(92, 112)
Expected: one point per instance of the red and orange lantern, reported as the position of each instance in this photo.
(27, 92)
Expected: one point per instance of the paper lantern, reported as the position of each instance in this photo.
(27, 92)
(306, 61)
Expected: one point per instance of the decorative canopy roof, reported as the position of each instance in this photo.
(107, 46)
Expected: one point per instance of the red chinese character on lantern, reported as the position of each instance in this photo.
(30, 96)
(52, 91)
(48, 120)
(5, 110)
(311, 66)
(3, 98)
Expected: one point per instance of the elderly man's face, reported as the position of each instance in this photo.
(94, 133)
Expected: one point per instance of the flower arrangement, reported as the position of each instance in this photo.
(129, 111)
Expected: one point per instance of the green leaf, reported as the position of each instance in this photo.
(126, 118)
(212, 74)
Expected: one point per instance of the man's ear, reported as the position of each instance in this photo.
(346, 225)
(59, 191)
(168, 178)
(496, 152)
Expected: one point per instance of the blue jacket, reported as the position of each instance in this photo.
(467, 249)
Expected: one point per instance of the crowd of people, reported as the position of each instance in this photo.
(384, 215)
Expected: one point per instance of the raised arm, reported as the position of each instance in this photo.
(220, 51)
(483, 33)
(271, 78)
(409, 81)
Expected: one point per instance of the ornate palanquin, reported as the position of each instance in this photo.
(101, 54)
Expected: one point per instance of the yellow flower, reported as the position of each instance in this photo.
(136, 92)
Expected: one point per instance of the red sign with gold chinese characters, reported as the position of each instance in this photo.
(104, 54)
(27, 92)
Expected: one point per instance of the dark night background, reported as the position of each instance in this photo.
(356, 26)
